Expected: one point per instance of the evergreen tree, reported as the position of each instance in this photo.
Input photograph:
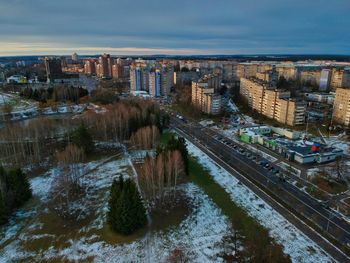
(82, 138)
(2, 209)
(116, 189)
(126, 211)
(18, 184)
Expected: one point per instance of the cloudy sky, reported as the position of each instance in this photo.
(174, 27)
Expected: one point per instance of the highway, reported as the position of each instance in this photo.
(306, 213)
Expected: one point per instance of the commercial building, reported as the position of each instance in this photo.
(205, 96)
(293, 149)
(273, 103)
(341, 108)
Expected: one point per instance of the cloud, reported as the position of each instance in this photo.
(172, 27)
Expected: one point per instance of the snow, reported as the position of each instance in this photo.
(298, 246)
(200, 234)
(4, 99)
(233, 106)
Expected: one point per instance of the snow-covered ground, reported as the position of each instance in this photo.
(200, 234)
(294, 242)
(4, 99)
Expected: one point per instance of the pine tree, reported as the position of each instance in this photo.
(126, 211)
(82, 138)
(116, 189)
(22, 190)
(2, 209)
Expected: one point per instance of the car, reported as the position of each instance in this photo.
(262, 163)
(266, 165)
(235, 146)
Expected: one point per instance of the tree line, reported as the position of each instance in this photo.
(14, 191)
(57, 94)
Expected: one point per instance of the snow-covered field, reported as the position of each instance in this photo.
(199, 235)
(294, 242)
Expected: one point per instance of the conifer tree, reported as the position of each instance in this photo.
(82, 138)
(2, 209)
(126, 211)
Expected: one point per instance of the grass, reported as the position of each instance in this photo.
(330, 186)
(222, 199)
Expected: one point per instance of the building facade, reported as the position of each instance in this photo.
(205, 96)
(272, 103)
(341, 107)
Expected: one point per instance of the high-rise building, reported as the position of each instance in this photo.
(156, 78)
(90, 67)
(273, 103)
(106, 66)
(155, 83)
(167, 79)
(117, 71)
(341, 108)
(205, 96)
(75, 57)
(325, 79)
(139, 77)
(53, 69)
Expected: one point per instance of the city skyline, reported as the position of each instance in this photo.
(174, 28)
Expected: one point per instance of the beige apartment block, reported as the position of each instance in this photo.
(341, 108)
(204, 96)
(273, 103)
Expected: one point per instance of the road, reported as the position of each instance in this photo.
(306, 213)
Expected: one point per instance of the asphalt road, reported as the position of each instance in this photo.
(295, 205)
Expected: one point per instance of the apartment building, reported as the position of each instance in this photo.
(205, 96)
(155, 78)
(290, 111)
(139, 77)
(341, 108)
(273, 103)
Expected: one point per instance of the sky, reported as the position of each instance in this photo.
(174, 27)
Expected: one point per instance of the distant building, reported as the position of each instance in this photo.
(18, 79)
(139, 77)
(105, 69)
(117, 71)
(325, 79)
(341, 108)
(53, 69)
(155, 83)
(75, 57)
(90, 67)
